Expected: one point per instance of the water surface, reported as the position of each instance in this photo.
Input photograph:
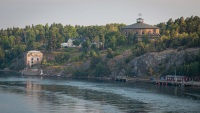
(60, 95)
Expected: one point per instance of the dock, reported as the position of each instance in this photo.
(120, 78)
(177, 83)
(129, 79)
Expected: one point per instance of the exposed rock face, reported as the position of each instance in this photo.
(138, 66)
(117, 64)
(141, 65)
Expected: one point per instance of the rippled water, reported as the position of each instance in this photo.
(60, 95)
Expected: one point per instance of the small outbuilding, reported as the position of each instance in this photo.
(176, 78)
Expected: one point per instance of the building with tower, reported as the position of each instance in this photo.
(140, 29)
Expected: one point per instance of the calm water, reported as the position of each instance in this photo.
(58, 95)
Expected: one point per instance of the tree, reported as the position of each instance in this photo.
(11, 41)
(70, 32)
(76, 43)
(93, 53)
(182, 25)
(2, 55)
(145, 39)
(110, 53)
(5, 42)
(94, 61)
(130, 38)
(121, 39)
(52, 41)
(86, 45)
(112, 41)
(96, 41)
(151, 71)
(30, 35)
(62, 58)
(44, 61)
(102, 39)
(101, 70)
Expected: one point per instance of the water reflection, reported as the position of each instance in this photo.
(58, 95)
(73, 99)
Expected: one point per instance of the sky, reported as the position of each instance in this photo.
(19, 13)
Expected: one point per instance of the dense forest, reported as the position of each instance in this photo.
(178, 34)
(15, 41)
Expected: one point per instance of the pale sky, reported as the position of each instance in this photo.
(19, 13)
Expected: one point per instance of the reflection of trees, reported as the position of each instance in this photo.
(62, 97)
(71, 96)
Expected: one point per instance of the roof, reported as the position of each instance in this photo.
(33, 51)
(174, 76)
(140, 26)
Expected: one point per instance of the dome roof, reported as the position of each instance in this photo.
(140, 25)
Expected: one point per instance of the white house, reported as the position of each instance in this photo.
(64, 45)
(69, 43)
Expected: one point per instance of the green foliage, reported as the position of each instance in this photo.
(44, 61)
(130, 38)
(80, 73)
(190, 67)
(128, 71)
(2, 55)
(180, 33)
(145, 39)
(86, 45)
(140, 49)
(62, 58)
(99, 67)
(93, 54)
(151, 71)
(94, 62)
(76, 43)
(101, 70)
(111, 41)
(110, 53)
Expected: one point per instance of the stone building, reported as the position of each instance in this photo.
(140, 28)
(33, 57)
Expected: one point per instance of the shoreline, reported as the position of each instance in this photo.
(127, 80)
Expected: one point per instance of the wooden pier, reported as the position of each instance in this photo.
(120, 78)
(176, 83)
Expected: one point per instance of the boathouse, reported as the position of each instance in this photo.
(176, 78)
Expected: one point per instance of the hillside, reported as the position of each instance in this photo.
(105, 51)
(150, 64)
(160, 62)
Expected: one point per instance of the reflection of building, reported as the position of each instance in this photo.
(30, 86)
(140, 28)
(33, 57)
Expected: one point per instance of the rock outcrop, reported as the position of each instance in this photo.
(158, 61)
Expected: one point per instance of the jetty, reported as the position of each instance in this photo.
(176, 83)
(120, 78)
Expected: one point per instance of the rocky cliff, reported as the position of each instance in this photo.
(158, 62)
